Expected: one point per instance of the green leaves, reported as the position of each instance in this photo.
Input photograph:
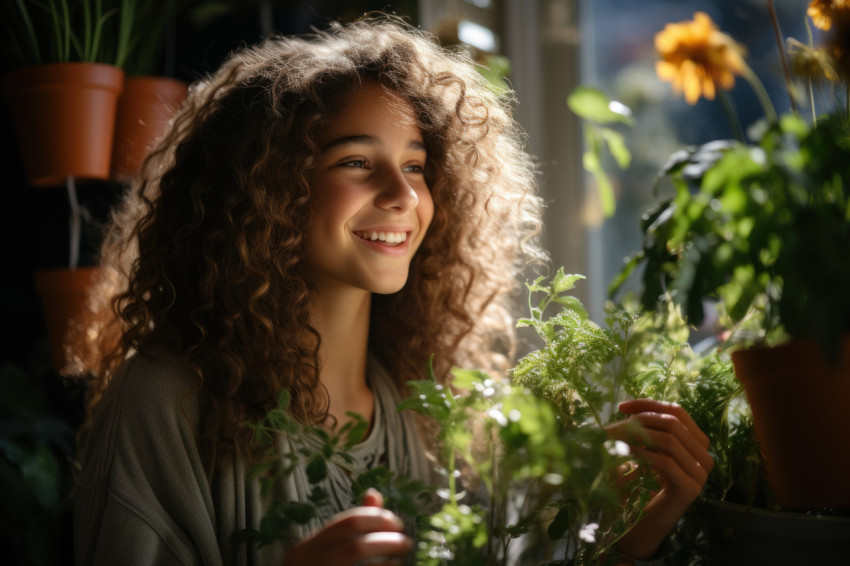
(62, 31)
(592, 104)
(530, 457)
(761, 228)
(598, 112)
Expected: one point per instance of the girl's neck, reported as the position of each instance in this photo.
(342, 321)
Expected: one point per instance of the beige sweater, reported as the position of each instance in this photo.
(144, 496)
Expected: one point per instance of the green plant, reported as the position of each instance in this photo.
(600, 114)
(62, 31)
(530, 475)
(35, 452)
(761, 227)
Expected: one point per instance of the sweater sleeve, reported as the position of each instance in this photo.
(143, 495)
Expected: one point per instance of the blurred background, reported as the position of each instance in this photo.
(543, 49)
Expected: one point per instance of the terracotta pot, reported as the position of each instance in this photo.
(144, 111)
(800, 407)
(743, 536)
(64, 295)
(64, 117)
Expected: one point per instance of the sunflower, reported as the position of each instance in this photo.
(822, 12)
(696, 56)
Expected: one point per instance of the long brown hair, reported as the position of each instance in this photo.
(205, 254)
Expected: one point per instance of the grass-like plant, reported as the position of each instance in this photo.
(62, 31)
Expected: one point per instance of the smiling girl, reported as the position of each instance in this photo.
(326, 214)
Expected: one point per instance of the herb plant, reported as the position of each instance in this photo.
(529, 475)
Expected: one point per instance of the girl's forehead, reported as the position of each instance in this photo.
(368, 106)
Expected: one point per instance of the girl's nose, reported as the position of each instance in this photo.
(396, 193)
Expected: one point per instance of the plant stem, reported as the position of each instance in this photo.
(761, 93)
(87, 28)
(125, 31)
(66, 52)
(75, 224)
(811, 43)
(734, 123)
(847, 100)
(774, 20)
(25, 16)
(812, 100)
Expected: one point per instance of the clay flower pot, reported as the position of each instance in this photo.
(144, 111)
(64, 117)
(800, 407)
(64, 296)
(743, 535)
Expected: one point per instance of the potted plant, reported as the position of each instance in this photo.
(64, 88)
(64, 93)
(762, 228)
(151, 95)
(36, 451)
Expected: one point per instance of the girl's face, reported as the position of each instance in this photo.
(371, 206)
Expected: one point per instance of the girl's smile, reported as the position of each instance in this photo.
(371, 204)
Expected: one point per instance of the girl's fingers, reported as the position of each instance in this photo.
(368, 546)
(373, 498)
(352, 536)
(359, 521)
(667, 433)
(680, 486)
(652, 406)
(669, 445)
(378, 545)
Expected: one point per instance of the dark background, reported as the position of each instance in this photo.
(39, 407)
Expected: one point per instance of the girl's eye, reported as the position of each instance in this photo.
(361, 163)
(413, 169)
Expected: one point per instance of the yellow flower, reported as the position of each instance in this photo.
(822, 12)
(696, 56)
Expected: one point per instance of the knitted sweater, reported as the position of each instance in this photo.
(144, 496)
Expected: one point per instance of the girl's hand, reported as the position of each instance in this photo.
(677, 451)
(363, 533)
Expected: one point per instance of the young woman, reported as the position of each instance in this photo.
(326, 214)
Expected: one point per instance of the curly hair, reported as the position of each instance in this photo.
(205, 255)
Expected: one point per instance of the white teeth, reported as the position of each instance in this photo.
(392, 238)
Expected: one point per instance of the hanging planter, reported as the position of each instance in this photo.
(144, 111)
(64, 117)
(799, 404)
